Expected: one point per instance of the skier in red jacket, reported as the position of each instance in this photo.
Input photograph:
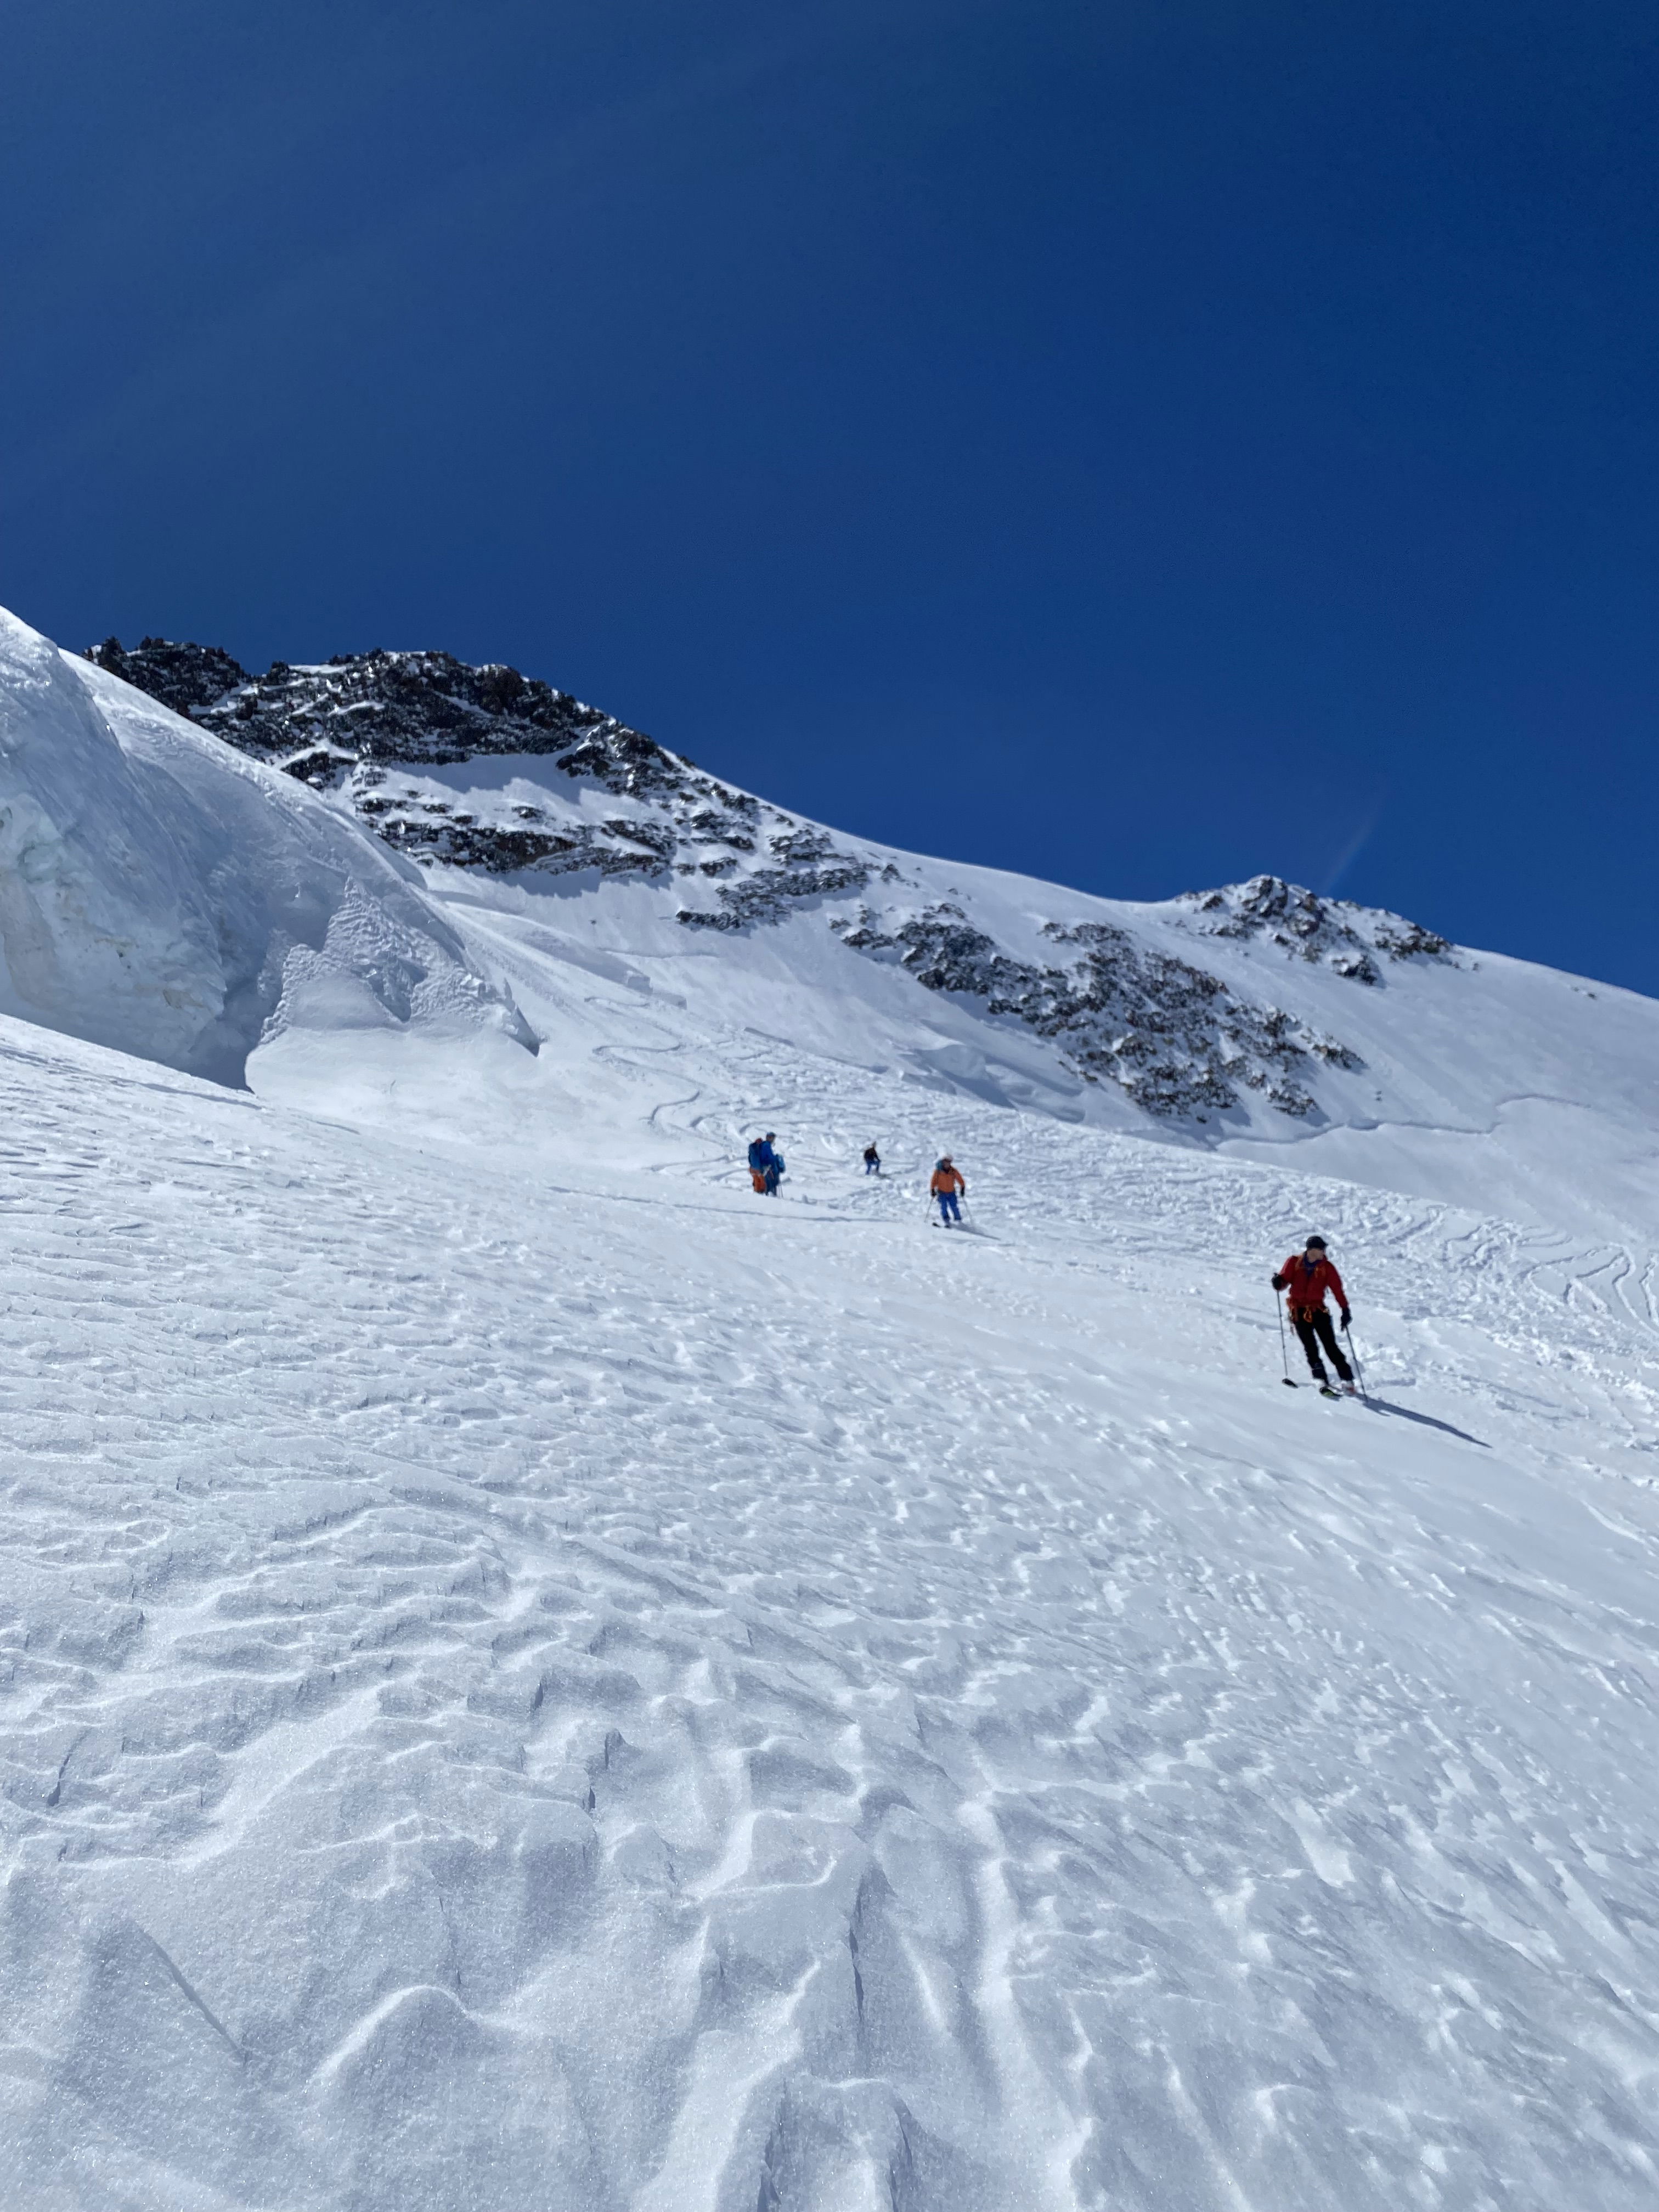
(1307, 1277)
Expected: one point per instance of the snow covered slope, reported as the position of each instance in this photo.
(161, 894)
(533, 1679)
(1252, 1018)
(597, 1692)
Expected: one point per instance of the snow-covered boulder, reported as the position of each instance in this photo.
(163, 895)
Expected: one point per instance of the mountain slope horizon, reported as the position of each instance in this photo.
(1246, 1018)
(531, 1675)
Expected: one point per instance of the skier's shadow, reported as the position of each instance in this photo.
(1382, 1405)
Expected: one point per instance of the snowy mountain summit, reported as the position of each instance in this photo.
(535, 1677)
(1247, 1017)
(1348, 937)
(374, 727)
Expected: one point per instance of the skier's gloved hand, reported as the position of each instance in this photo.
(1347, 1316)
(1278, 1282)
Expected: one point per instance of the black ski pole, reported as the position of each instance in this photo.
(1283, 1348)
(1353, 1353)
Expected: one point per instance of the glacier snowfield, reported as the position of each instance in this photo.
(521, 1695)
(534, 1681)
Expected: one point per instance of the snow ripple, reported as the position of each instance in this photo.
(513, 1697)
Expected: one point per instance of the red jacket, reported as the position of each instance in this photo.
(947, 1179)
(1308, 1286)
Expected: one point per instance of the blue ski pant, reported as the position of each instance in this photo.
(948, 1208)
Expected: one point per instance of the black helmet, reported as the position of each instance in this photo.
(1315, 1244)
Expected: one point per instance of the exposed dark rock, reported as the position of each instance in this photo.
(768, 894)
(416, 708)
(461, 842)
(1173, 1036)
(182, 676)
(351, 723)
(412, 707)
(368, 726)
(1335, 931)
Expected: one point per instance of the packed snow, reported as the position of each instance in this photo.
(536, 1679)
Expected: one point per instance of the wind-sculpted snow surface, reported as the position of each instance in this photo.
(160, 894)
(533, 1683)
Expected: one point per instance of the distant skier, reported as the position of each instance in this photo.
(872, 1160)
(947, 1181)
(765, 1166)
(1306, 1277)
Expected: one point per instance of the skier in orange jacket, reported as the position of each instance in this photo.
(946, 1182)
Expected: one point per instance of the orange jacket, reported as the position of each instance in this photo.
(947, 1179)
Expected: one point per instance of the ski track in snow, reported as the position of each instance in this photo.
(524, 1697)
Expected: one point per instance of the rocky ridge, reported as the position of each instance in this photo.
(371, 727)
(1171, 1035)
(351, 723)
(1347, 938)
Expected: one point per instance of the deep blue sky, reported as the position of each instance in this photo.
(1138, 444)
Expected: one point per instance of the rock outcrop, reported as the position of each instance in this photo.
(601, 797)
(1171, 1035)
(1346, 937)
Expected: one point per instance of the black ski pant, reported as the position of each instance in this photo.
(1314, 1325)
